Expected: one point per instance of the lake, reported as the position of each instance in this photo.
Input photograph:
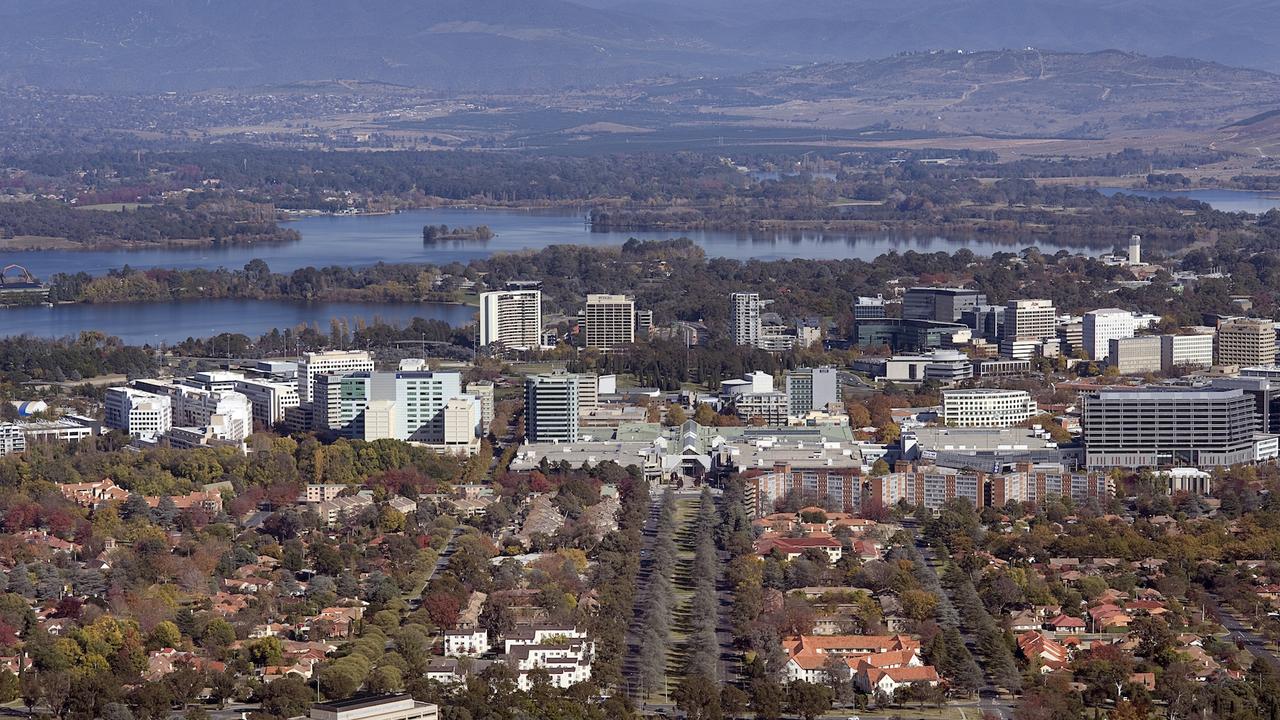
(1226, 200)
(359, 240)
(171, 322)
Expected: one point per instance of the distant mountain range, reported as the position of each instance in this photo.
(492, 45)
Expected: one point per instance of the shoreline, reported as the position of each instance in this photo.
(299, 301)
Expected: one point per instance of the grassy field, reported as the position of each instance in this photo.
(686, 513)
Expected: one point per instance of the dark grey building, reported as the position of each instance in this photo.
(940, 304)
(987, 321)
(1266, 398)
(1163, 427)
(906, 336)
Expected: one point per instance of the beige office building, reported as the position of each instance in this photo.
(609, 322)
(1135, 355)
(1246, 342)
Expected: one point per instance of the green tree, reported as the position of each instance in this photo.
(698, 697)
(165, 635)
(767, 698)
(285, 698)
(808, 700)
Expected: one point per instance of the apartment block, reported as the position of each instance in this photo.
(744, 318)
(12, 440)
(511, 318)
(836, 487)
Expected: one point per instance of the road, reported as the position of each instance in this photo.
(989, 701)
(730, 665)
(649, 535)
(1253, 642)
(445, 553)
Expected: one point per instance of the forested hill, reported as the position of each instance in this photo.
(456, 45)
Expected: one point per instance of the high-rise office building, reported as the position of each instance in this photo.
(941, 304)
(270, 400)
(229, 412)
(1030, 320)
(1159, 427)
(609, 322)
(987, 321)
(461, 416)
(644, 322)
(511, 318)
(744, 318)
(423, 395)
(333, 362)
(551, 407)
(141, 414)
(1028, 325)
(331, 401)
(1246, 342)
(812, 389)
(417, 397)
(1265, 392)
(1103, 325)
(1071, 335)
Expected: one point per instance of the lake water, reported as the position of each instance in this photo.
(368, 239)
(1225, 200)
(156, 323)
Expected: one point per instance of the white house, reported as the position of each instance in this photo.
(466, 643)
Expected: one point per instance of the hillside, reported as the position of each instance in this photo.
(1020, 93)
(487, 45)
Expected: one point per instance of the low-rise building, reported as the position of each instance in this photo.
(466, 643)
(1193, 350)
(1136, 355)
(987, 407)
(331, 512)
(376, 707)
(564, 653)
(12, 440)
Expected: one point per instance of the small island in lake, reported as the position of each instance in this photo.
(439, 233)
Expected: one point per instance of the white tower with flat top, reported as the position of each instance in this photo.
(1135, 249)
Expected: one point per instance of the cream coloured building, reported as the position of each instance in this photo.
(987, 407)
